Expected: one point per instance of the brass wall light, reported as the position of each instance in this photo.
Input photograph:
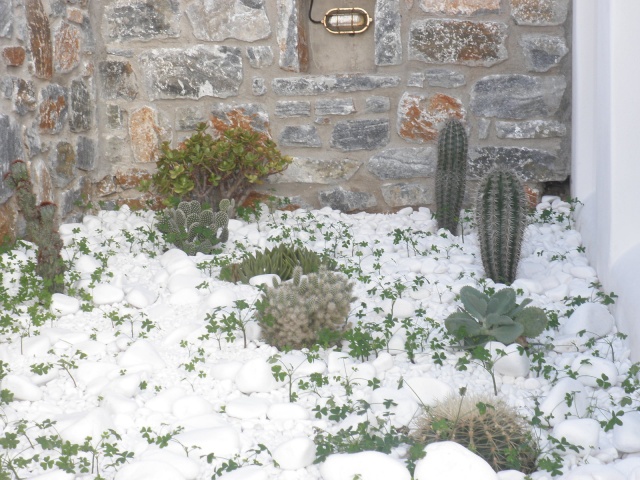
(340, 21)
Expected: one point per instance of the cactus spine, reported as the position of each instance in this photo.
(451, 174)
(501, 215)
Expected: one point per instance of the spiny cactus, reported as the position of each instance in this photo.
(306, 310)
(489, 428)
(192, 229)
(501, 215)
(451, 174)
(280, 260)
(40, 227)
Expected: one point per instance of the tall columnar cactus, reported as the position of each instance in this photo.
(501, 215)
(40, 227)
(451, 174)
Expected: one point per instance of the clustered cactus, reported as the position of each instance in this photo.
(498, 317)
(501, 215)
(307, 310)
(192, 229)
(451, 174)
(491, 429)
(280, 260)
(41, 227)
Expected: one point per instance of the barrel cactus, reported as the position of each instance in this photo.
(193, 229)
(451, 174)
(501, 215)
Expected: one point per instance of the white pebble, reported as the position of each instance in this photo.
(365, 466)
(255, 376)
(452, 461)
(299, 452)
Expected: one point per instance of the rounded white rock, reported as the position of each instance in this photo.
(626, 437)
(591, 369)
(509, 360)
(427, 390)
(247, 407)
(593, 318)
(365, 466)
(62, 304)
(287, 411)
(582, 432)
(255, 376)
(106, 294)
(296, 453)
(452, 461)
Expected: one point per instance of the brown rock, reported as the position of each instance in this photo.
(131, 178)
(42, 183)
(460, 7)
(8, 220)
(420, 116)
(13, 56)
(145, 135)
(75, 15)
(106, 186)
(539, 12)
(53, 109)
(39, 38)
(67, 48)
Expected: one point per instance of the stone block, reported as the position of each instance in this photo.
(292, 35)
(300, 136)
(80, 107)
(195, 72)
(539, 12)
(346, 200)
(80, 18)
(8, 220)
(118, 80)
(53, 108)
(460, 7)
(403, 163)
(85, 153)
(258, 86)
(13, 56)
(68, 199)
(377, 104)
(105, 186)
(352, 135)
(531, 129)
(131, 178)
(260, 56)
(10, 149)
(387, 33)
(41, 180)
(335, 106)
(67, 43)
(542, 52)
(313, 170)
(253, 114)
(484, 125)
(408, 194)
(24, 96)
(420, 116)
(188, 118)
(532, 165)
(217, 20)
(439, 77)
(292, 108)
(517, 96)
(39, 32)
(327, 84)
(115, 116)
(461, 42)
(127, 20)
(6, 18)
(63, 160)
(146, 134)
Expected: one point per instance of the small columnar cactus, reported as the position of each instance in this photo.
(306, 310)
(192, 229)
(501, 215)
(451, 174)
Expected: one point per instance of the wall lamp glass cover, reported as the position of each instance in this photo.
(346, 20)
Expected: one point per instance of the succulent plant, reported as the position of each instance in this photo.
(192, 229)
(488, 427)
(451, 174)
(280, 260)
(499, 317)
(501, 215)
(306, 310)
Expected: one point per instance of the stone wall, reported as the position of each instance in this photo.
(89, 91)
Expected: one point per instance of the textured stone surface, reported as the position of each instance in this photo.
(24, 96)
(126, 20)
(8, 219)
(63, 159)
(539, 12)
(300, 136)
(80, 18)
(67, 45)
(360, 135)
(458, 41)
(85, 153)
(531, 164)
(118, 80)
(131, 178)
(335, 106)
(420, 117)
(146, 134)
(188, 118)
(292, 36)
(39, 39)
(346, 200)
(6, 18)
(377, 104)
(41, 180)
(260, 56)
(313, 170)
(325, 84)
(543, 52)
(407, 194)
(387, 33)
(10, 149)
(292, 108)
(80, 107)
(53, 108)
(217, 20)
(484, 125)
(258, 86)
(253, 113)
(439, 77)
(196, 72)
(13, 56)
(403, 163)
(531, 129)
(517, 96)
(69, 198)
(460, 7)
(115, 116)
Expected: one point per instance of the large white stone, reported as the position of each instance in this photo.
(221, 297)
(555, 405)
(626, 437)
(255, 376)
(287, 411)
(247, 407)
(427, 390)
(191, 406)
(64, 305)
(582, 432)
(22, 388)
(188, 467)
(149, 470)
(452, 461)
(92, 423)
(250, 472)
(106, 294)
(594, 318)
(368, 465)
(299, 452)
(590, 369)
(141, 297)
(511, 362)
(221, 441)
(594, 472)
(141, 353)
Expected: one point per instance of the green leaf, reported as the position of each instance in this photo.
(502, 302)
(462, 325)
(494, 320)
(507, 333)
(475, 302)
